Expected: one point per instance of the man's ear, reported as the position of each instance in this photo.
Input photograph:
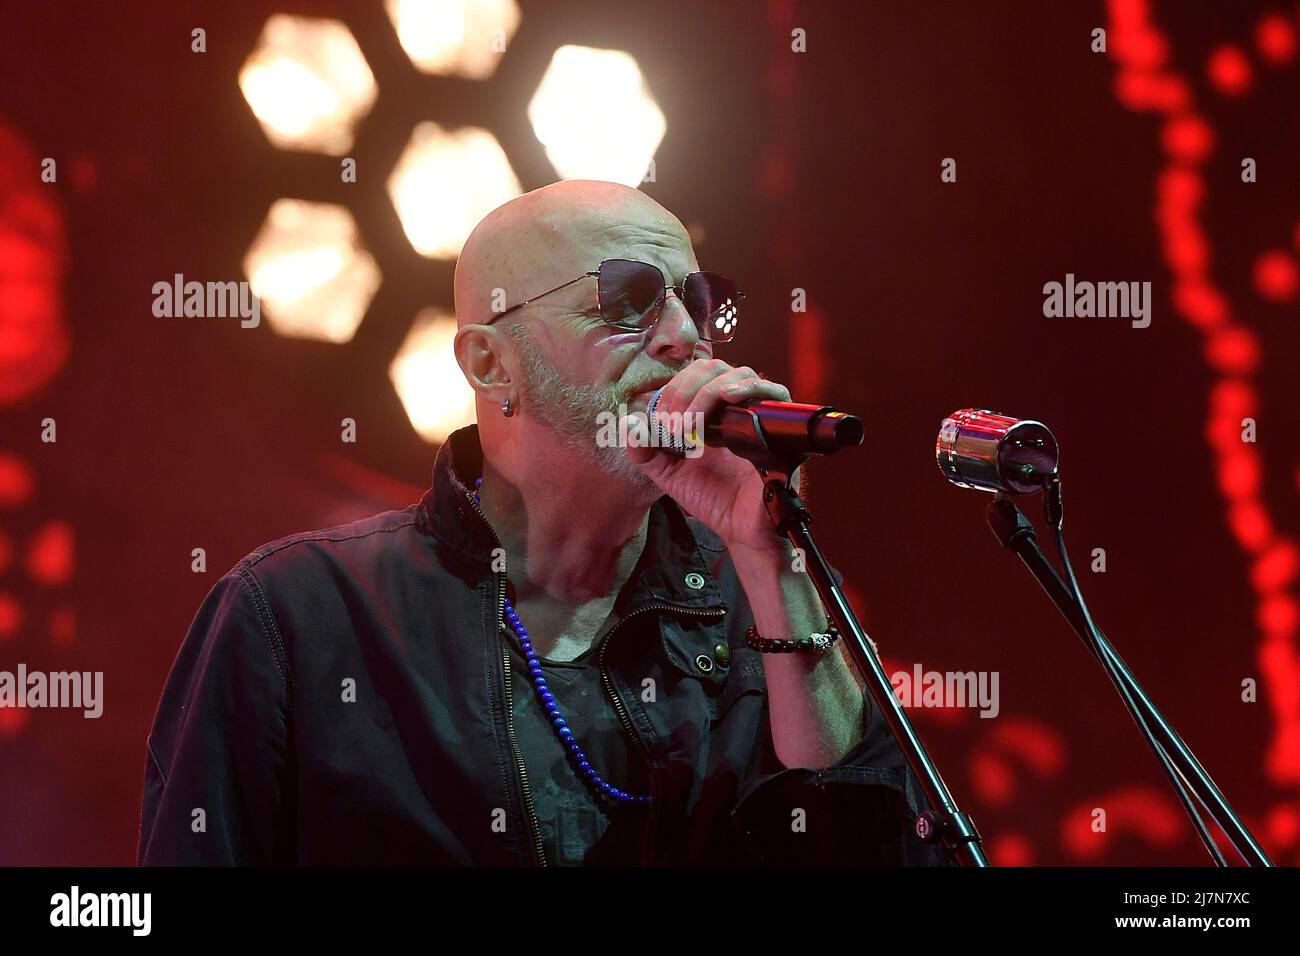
(482, 353)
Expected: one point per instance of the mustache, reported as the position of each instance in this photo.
(652, 375)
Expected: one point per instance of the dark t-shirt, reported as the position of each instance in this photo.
(578, 827)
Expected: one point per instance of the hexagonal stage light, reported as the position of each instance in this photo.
(311, 273)
(454, 37)
(595, 116)
(445, 182)
(428, 379)
(308, 84)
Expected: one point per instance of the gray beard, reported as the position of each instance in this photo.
(572, 410)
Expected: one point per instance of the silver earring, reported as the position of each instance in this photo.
(506, 410)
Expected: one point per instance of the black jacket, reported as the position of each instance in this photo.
(258, 756)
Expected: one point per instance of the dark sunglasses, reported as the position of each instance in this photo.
(631, 295)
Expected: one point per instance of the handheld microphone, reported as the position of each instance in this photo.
(990, 452)
(784, 427)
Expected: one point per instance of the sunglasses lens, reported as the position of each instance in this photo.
(629, 292)
(714, 303)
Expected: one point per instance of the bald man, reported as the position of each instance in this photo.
(557, 657)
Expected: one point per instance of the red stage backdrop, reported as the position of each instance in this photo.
(894, 185)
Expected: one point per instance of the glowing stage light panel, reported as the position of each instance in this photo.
(454, 37)
(595, 117)
(428, 380)
(310, 271)
(308, 84)
(445, 183)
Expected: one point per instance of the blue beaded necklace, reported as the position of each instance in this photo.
(586, 772)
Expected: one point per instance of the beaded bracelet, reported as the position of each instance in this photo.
(820, 643)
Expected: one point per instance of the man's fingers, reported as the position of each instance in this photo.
(731, 390)
(678, 393)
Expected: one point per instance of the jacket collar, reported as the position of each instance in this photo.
(672, 568)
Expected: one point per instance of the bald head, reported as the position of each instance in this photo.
(556, 233)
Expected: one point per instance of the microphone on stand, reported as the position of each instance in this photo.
(980, 449)
(986, 451)
(784, 427)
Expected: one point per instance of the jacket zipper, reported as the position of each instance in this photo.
(530, 811)
(534, 828)
(621, 709)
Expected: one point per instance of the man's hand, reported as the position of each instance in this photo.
(722, 490)
(817, 710)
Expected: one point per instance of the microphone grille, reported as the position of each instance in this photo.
(660, 436)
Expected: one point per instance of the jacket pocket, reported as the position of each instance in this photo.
(697, 648)
(745, 677)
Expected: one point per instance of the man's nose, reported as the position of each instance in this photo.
(673, 337)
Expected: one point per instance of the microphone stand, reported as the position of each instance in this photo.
(1015, 532)
(776, 457)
